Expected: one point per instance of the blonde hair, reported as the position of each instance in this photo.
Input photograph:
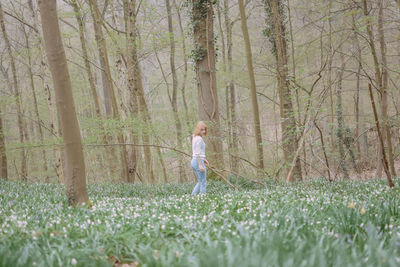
(197, 128)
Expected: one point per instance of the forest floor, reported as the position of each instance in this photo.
(314, 223)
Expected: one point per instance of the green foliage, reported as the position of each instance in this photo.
(315, 223)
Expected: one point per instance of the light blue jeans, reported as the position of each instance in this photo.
(201, 177)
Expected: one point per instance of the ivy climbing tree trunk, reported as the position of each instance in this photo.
(17, 95)
(204, 57)
(288, 121)
(75, 179)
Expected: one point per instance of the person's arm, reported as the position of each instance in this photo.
(200, 165)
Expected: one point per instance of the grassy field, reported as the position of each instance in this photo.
(314, 223)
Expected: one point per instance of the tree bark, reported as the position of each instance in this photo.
(203, 34)
(253, 89)
(75, 180)
(17, 95)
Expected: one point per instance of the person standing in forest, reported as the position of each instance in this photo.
(199, 161)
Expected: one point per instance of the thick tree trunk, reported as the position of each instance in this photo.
(75, 181)
(108, 85)
(16, 95)
(203, 34)
(3, 155)
(288, 121)
(253, 89)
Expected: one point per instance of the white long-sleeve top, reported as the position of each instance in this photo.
(198, 147)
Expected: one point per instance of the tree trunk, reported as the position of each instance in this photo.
(185, 60)
(35, 104)
(340, 122)
(384, 92)
(227, 97)
(3, 155)
(108, 85)
(385, 162)
(174, 100)
(231, 87)
(133, 101)
(139, 93)
(288, 121)
(330, 62)
(253, 89)
(75, 181)
(136, 87)
(16, 95)
(203, 34)
(378, 78)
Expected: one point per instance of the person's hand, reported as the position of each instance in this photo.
(201, 168)
(206, 163)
